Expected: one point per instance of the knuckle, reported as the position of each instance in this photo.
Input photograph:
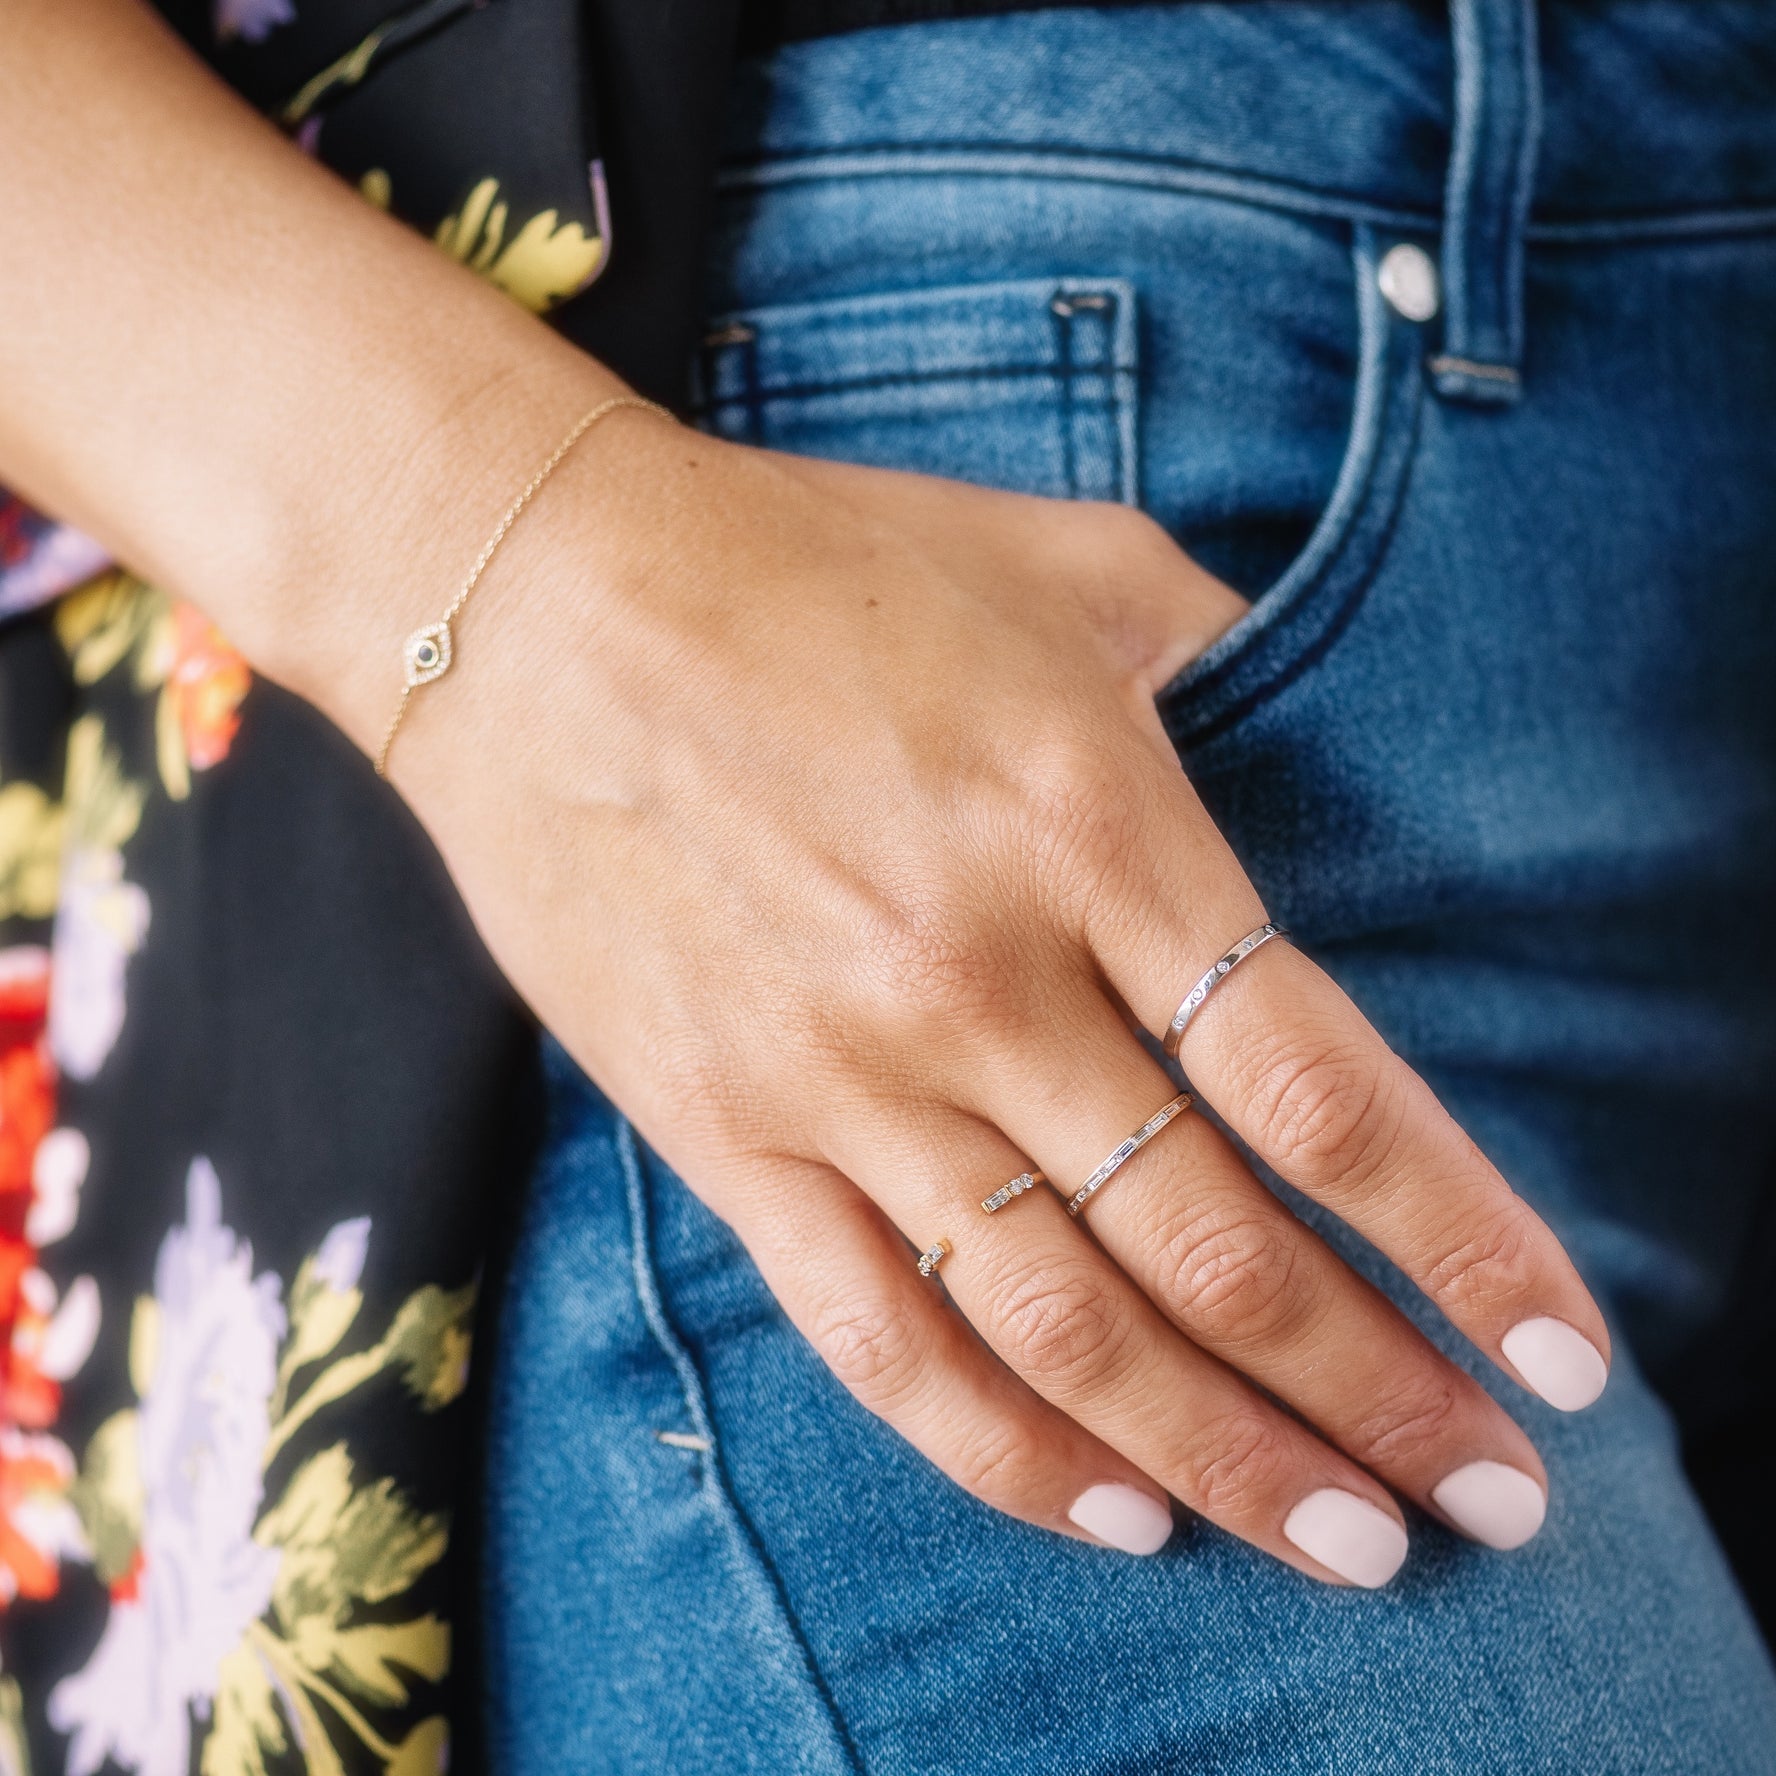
(1072, 820)
(872, 1346)
(932, 963)
(1323, 1111)
(1135, 537)
(1233, 1281)
(1488, 1267)
(1063, 1325)
(1003, 1468)
(1234, 1462)
(1399, 1430)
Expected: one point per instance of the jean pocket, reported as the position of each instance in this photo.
(1028, 385)
(1295, 620)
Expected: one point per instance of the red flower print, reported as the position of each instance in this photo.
(206, 681)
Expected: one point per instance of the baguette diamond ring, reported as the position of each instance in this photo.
(1128, 1150)
(1004, 1194)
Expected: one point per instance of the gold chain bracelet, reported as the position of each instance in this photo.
(426, 653)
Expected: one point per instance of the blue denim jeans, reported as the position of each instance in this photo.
(1497, 740)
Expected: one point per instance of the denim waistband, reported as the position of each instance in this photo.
(1641, 116)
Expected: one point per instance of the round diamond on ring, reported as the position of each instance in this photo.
(1253, 940)
(1006, 1192)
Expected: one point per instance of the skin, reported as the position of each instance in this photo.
(821, 811)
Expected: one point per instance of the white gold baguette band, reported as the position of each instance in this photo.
(1193, 1000)
(1127, 1151)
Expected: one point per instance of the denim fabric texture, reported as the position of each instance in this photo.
(1497, 741)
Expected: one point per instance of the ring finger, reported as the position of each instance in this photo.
(1061, 1314)
(1244, 1278)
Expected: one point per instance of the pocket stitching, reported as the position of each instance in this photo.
(744, 349)
(717, 1483)
(1265, 651)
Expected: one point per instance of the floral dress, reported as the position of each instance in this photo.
(260, 1089)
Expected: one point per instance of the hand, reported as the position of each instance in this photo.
(824, 814)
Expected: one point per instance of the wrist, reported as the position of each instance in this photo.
(378, 541)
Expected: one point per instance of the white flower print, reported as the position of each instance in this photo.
(205, 1350)
(340, 1261)
(58, 1334)
(58, 1169)
(100, 924)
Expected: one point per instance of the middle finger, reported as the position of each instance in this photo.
(1241, 1276)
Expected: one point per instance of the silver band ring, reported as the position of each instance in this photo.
(1193, 1000)
(1004, 1194)
(932, 1257)
(1128, 1150)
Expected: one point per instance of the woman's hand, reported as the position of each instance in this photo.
(824, 815)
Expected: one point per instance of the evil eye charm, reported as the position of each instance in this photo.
(426, 654)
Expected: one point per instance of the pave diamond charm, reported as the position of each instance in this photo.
(1004, 1194)
(426, 654)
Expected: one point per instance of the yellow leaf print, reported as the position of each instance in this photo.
(371, 1660)
(424, 1752)
(144, 1344)
(321, 1313)
(109, 1498)
(30, 854)
(544, 263)
(430, 1341)
(245, 1724)
(103, 807)
(103, 620)
(342, 1543)
(15, 1759)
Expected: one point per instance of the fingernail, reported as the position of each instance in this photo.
(1348, 1535)
(1495, 1504)
(1124, 1516)
(1561, 1364)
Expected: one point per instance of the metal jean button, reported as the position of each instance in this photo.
(1407, 277)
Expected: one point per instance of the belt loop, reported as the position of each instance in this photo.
(1492, 159)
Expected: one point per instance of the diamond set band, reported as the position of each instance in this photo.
(1193, 1000)
(1127, 1151)
(1004, 1194)
(1167, 1113)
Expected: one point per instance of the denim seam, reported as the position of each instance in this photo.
(1316, 650)
(1085, 166)
(892, 160)
(1063, 371)
(1108, 363)
(804, 391)
(1201, 702)
(1486, 204)
(717, 1483)
(1276, 605)
(1654, 227)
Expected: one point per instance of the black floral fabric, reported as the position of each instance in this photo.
(263, 1097)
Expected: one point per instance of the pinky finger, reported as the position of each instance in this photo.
(846, 1278)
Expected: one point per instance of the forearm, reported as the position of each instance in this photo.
(251, 385)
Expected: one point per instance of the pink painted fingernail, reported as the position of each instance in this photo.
(1559, 1363)
(1124, 1516)
(1495, 1504)
(1348, 1535)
